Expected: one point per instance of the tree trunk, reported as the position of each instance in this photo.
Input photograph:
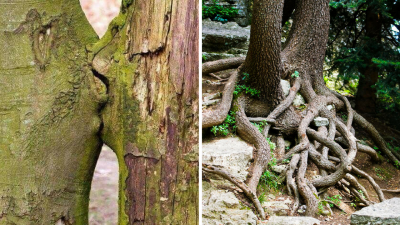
(151, 118)
(145, 89)
(366, 94)
(49, 108)
(263, 62)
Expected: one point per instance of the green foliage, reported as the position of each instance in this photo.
(397, 164)
(270, 180)
(346, 3)
(350, 52)
(217, 12)
(344, 117)
(336, 199)
(260, 125)
(272, 145)
(295, 74)
(262, 198)
(224, 128)
(248, 90)
(245, 77)
(221, 129)
(204, 57)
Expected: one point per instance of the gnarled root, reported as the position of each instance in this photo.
(249, 133)
(222, 64)
(240, 184)
(217, 116)
(326, 149)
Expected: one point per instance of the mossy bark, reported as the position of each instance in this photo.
(49, 107)
(55, 112)
(151, 118)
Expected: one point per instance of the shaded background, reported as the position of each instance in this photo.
(103, 207)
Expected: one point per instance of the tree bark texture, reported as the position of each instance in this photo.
(56, 110)
(151, 119)
(49, 109)
(263, 62)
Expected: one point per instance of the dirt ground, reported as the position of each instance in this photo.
(103, 206)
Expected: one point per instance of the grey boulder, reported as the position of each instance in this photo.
(384, 213)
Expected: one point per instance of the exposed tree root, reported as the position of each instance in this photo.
(249, 133)
(217, 116)
(332, 150)
(378, 190)
(215, 76)
(222, 64)
(247, 191)
(391, 191)
(291, 186)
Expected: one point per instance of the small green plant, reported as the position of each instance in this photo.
(223, 129)
(260, 126)
(344, 117)
(362, 193)
(353, 205)
(286, 161)
(295, 74)
(262, 198)
(397, 164)
(245, 77)
(220, 129)
(270, 179)
(204, 57)
(320, 207)
(248, 90)
(272, 145)
(326, 79)
(336, 199)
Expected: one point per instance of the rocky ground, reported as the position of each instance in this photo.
(225, 204)
(103, 207)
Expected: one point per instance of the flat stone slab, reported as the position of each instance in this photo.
(232, 153)
(221, 37)
(321, 121)
(384, 213)
(290, 220)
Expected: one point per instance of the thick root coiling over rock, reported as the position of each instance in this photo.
(332, 151)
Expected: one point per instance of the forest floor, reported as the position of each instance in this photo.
(386, 175)
(103, 206)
